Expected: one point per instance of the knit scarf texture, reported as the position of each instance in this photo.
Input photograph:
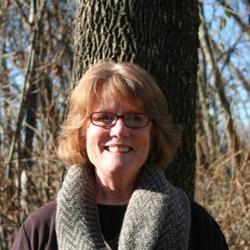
(158, 215)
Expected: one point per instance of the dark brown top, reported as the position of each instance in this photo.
(38, 230)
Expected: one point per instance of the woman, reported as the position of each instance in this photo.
(115, 196)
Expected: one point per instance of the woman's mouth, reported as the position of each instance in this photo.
(118, 149)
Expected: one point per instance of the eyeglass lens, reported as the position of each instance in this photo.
(131, 120)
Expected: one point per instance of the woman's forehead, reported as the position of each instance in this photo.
(116, 105)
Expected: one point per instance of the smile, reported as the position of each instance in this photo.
(118, 149)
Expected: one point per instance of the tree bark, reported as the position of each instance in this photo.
(160, 36)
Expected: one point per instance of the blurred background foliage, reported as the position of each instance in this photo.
(36, 51)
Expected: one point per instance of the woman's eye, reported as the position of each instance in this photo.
(134, 118)
(105, 117)
(137, 118)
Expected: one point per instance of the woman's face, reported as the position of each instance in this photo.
(117, 150)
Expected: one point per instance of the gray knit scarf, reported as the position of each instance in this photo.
(158, 215)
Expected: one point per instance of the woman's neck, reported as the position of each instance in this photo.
(113, 191)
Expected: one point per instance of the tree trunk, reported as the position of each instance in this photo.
(160, 36)
(31, 123)
(220, 83)
(6, 95)
(209, 132)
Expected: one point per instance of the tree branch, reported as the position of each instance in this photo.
(26, 87)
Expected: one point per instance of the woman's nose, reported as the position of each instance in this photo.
(119, 129)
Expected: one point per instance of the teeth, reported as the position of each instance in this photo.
(115, 149)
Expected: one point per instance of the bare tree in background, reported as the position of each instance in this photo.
(220, 82)
(163, 42)
(36, 60)
(162, 37)
(223, 117)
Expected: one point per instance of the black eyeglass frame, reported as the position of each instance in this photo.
(116, 119)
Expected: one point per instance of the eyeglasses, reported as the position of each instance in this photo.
(108, 120)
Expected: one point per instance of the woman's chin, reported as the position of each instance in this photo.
(117, 168)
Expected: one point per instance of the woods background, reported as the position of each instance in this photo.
(36, 64)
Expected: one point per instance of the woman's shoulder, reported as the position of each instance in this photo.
(44, 214)
(205, 232)
(38, 230)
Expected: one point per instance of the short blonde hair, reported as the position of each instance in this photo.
(122, 81)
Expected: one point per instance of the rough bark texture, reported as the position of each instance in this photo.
(160, 36)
